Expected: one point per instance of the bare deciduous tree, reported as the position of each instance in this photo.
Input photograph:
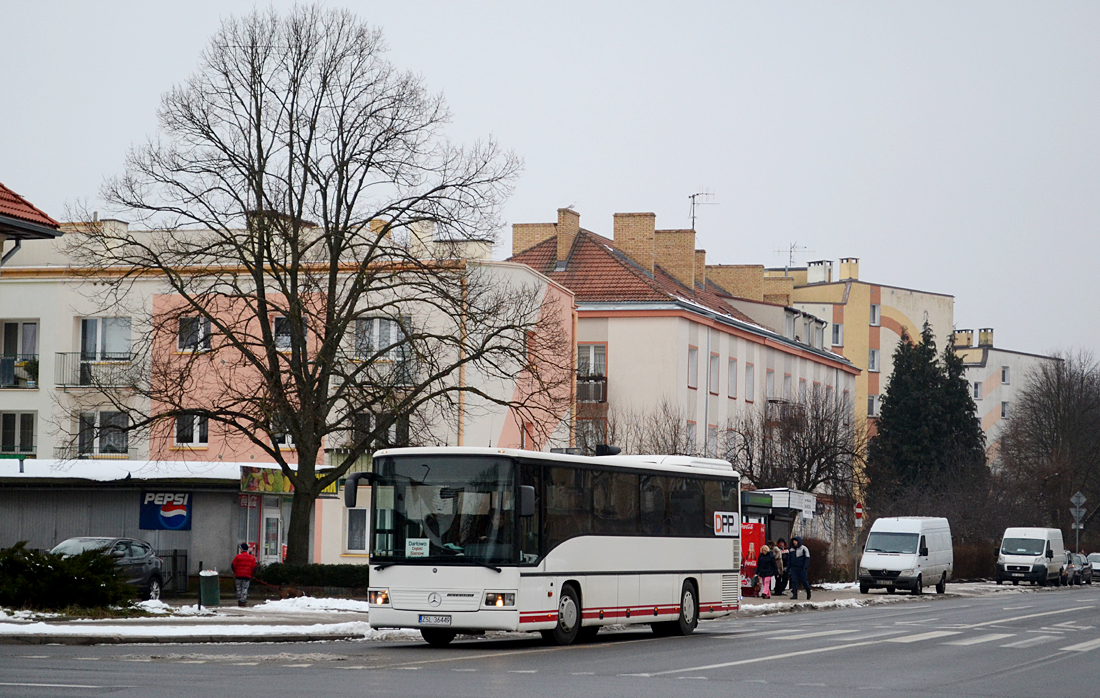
(306, 225)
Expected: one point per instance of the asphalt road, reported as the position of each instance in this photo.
(1026, 645)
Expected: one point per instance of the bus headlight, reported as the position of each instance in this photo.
(500, 600)
(379, 597)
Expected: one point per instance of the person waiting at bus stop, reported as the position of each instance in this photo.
(799, 566)
(766, 570)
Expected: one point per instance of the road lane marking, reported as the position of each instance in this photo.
(822, 633)
(1030, 615)
(463, 669)
(583, 673)
(87, 659)
(1083, 646)
(57, 685)
(812, 684)
(1032, 641)
(1017, 608)
(523, 671)
(255, 663)
(35, 656)
(980, 639)
(920, 637)
(755, 660)
(192, 661)
(297, 666)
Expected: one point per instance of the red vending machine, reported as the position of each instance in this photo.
(752, 539)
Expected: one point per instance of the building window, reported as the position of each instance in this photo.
(381, 338)
(750, 382)
(769, 384)
(819, 336)
(693, 367)
(714, 378)
(787, 386)
(838, 334)
(103, 433)
(712, 441)
(872, 405)
(105, 339)
(691, 436)
(876, 317)
(193, 334)
(1005, 376)
(192, 430)
(790, 326)
(393, 436)
(1004, 409)
(20, 338)
(357, 530)
(802, 388)
(872, 360)
(977, 390)
(591, 360)
(731, 379)
(17, 432)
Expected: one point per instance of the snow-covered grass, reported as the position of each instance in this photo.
(163, 630)
(308, 604)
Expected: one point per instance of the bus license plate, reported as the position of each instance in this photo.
(435, 620)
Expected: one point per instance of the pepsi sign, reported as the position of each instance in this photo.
(165, 511)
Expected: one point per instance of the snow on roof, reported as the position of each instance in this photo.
(112, 470)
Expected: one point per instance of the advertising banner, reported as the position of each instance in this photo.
(752, 539)
(272, 481)
(165, 511)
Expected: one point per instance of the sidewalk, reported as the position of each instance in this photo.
(309, 619)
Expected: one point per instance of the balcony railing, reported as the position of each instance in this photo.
(80, 370)
(592, 389)
(19, 371)
(94, 452)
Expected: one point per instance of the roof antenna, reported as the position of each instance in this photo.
(790, 251)
(707, 197)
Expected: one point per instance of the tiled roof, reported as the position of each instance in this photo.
(596, 272)
(15, 206)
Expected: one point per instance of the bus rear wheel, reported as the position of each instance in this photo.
(436, 637)
(569, 618)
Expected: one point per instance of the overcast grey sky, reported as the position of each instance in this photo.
(952, 147)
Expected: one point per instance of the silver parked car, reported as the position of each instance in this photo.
(137, 559)
(1094, 560)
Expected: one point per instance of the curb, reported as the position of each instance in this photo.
(46, 639)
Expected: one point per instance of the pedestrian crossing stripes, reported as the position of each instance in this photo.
(980, 639)
(931, 635)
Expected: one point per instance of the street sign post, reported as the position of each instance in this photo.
(859, 515)
(1078, 513)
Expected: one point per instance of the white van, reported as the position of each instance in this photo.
(1034, 555)
(907, 552)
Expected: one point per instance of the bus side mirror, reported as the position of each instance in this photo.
(351, 487)
(526, 500)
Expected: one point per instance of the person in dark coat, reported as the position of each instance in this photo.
(766, 570)
(799, 565)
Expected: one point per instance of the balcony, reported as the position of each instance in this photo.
(592, 389)
(92, 452)
(80, 370)
(19, 371)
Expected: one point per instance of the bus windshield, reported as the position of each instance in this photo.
(455, 509)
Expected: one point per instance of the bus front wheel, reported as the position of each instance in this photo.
(436, 637)
(569, 618)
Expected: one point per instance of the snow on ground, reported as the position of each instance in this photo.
(309, 604)
(86, 630)
(151, 606)
(839, 586)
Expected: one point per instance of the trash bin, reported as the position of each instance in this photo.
(210, 593)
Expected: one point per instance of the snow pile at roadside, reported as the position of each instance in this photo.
(838, 586)
(258, 631)
(151, 606)
(195, 611)
(784, 606)
(309, 604)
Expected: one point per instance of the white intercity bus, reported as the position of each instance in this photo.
(467, 540)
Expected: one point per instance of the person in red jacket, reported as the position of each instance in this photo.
(243, 566)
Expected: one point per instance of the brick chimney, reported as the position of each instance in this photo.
(985, 337)
(964, 339)
(569, 224)
(527, 235)
(849, 268)
(634, 233)
(778, 289)
(674, 251)
(701, 268)
(740, 280)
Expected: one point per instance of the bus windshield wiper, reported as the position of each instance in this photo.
(383, 565)
(483, 564)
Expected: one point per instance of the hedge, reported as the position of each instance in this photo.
(44, 581)
(350, 576)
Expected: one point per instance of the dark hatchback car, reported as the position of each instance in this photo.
(141, 565)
